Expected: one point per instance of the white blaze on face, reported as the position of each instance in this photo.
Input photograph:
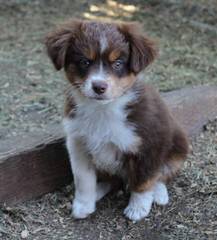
(103, 43)
(98, 76)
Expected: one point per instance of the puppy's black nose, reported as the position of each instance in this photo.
(99, 87)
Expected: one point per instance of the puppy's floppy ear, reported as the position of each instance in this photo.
(142, 49)
(57, 42)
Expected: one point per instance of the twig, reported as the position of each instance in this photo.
(203, 26)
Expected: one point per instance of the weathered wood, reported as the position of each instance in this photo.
(31, 173)
(193, 107)
(37, 164)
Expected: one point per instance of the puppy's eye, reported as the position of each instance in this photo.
(84, 63)
(118, 64)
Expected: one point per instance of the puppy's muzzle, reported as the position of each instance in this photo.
(99, 87)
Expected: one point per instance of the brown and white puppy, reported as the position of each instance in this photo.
(114, 123)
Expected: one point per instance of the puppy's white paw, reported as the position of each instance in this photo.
(139, 205)
(102, 189)
(160, 194)
(81, 209)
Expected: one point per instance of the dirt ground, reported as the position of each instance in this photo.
(191, 213)
(31, 96)
(31, 92)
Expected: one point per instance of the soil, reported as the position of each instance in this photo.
(31, 92)
(31, 97)
(190, 214)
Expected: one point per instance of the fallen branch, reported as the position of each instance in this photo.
(203, 26)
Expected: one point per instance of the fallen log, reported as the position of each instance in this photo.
(38, 164)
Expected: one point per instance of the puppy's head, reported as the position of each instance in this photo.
(101, 60)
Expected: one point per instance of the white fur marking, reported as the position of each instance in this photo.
(100, 128)
(96, 76)
(139, 205)
(102, 189)
(84, 179)
(103, 43)
(81, 209)
(160, 194)
(104, 130)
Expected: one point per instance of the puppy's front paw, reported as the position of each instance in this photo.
(160, 194)
(139, 205)
(82, 209)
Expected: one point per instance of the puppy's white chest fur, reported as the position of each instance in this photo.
(104, 130)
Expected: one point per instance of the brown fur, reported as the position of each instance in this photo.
(143, 50)
(57, 42)
(163, 145)
(114, 55)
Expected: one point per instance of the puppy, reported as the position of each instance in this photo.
(114, 122)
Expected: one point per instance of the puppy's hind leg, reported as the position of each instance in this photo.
(102, 189)
(160, 193)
